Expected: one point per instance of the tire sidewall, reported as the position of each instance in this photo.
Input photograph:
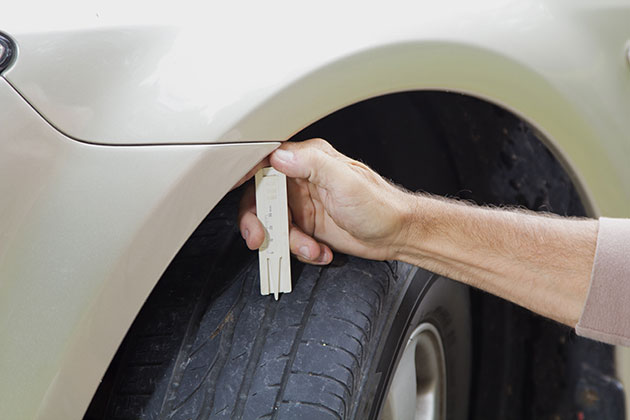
(446, 306)
(443, 303)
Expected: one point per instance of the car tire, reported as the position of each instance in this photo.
(207, 345)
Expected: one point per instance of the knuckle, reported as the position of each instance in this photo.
(321, 143)
(320, 159)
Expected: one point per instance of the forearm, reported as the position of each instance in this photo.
(543, 263)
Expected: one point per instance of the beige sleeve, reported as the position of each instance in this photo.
(606, 313)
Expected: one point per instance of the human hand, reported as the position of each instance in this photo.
(334, 202)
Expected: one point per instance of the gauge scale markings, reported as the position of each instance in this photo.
(273, 213)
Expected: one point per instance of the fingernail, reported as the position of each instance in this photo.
(245, 234)
(283, 155)
(304, 251)
(323, 256)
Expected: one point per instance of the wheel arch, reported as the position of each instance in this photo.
(462, 68)
(469, 70)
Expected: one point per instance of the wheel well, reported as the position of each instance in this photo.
(456, 145)
(524, 366)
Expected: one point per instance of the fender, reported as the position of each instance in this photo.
(86, 231)
(259, 76)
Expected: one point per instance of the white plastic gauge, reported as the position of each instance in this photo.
(272, 210)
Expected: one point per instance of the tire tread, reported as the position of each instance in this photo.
(232, 353)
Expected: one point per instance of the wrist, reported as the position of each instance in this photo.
(412, 218)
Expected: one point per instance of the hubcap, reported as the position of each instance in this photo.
(418, 388)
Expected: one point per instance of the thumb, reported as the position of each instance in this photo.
(314, 160)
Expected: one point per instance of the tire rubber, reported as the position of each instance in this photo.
(207, 345)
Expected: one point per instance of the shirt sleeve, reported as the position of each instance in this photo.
(606, 313)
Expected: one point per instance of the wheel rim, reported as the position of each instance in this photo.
(418, 388)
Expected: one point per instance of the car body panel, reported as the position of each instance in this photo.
(560, 65)
(88, 226)
(86, 231)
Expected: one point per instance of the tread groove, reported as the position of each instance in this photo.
(222, 355)
(358, 342)
(316, 405)
(226, 341)
(189, 337)
(354, 324)
(364, 315)
(333, 346)
(323, 375)
(368, 303)
(340, 398)
(298, 339)
(254, 360)
(352, 382)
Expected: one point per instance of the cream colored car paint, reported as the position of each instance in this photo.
(86, 230)
(227, 76)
